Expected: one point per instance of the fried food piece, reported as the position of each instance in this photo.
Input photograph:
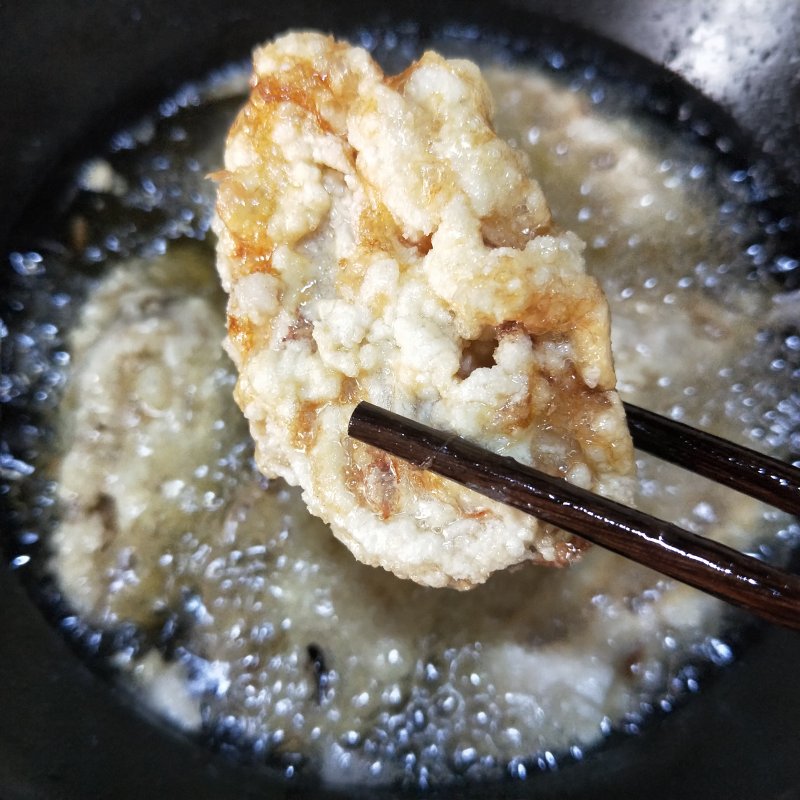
(378, 241)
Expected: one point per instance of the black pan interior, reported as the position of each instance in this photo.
(64, 733)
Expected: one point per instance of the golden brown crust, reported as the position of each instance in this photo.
(380, 242)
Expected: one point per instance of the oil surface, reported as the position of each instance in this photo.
(224, 606)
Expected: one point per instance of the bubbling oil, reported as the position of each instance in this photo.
(140, 520)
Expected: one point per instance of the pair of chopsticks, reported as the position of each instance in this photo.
(743, 580)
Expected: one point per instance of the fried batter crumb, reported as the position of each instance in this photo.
(379, 241)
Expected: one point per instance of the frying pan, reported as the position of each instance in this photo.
(69, 69)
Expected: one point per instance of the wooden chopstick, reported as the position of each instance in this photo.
(772, 593)
(732, 465)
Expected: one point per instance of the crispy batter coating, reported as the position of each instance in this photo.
(379, 241)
